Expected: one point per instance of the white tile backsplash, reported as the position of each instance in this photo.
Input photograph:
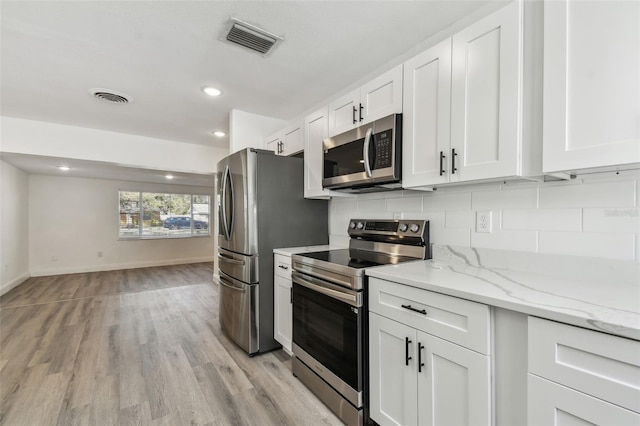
(600, 244)
(596, 215)
(581, 195)
(525, 198)
(542, 219)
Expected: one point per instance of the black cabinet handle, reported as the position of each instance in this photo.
(291, 295)
(406, 350)
(453, 161)
(441, 163)
(361, 108)
(283, 267)
(420, 363)
(411, 308)
(354, 114)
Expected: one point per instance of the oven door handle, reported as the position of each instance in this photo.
(351, 299)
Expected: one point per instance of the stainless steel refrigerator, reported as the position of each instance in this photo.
(261, 207)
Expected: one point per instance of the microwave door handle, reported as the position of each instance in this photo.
(365, 152)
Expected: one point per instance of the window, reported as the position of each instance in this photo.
(154, 214)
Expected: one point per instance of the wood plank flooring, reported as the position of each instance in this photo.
(140, 347)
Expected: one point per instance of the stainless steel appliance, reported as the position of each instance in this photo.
(261, 207)
(330, 333)
(365, 159)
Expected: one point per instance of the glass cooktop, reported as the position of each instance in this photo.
(356, 258)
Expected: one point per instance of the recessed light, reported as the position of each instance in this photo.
(64, 168)
(169, 177)
(211, 91)
(219, 134)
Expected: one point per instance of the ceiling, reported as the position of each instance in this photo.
(161, 53)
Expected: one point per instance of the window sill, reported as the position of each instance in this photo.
(161, 237)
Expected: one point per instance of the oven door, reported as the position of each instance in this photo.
(328, 327)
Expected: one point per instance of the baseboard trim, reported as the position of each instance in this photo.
(6, 287)
(116, 266)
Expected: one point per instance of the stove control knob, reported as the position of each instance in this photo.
(360, 225)
(352, 225)
(414, 227)
(404, 227)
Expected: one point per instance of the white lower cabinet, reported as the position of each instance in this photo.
(581, 377)
(282, 306)
(554, 404)
(417, 378)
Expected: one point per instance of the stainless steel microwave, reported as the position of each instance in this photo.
(365, 159)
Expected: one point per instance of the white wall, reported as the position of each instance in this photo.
(14, 227)
(594, 216)
(72, 219)
(58, 140)
(247, 130)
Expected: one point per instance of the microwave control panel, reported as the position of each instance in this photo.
(384, 149)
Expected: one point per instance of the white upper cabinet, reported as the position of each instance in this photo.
(485, 97)
(315, 131)
(287, 141)
(378, 98)
(427, 117)
(463, 105)
(591, 84)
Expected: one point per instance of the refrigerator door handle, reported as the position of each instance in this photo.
(229, 286)
(230, 260)
(227, 222)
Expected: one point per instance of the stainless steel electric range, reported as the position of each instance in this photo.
(330, 315)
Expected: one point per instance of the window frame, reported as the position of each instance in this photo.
(140, 227)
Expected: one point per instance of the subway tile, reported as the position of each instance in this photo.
(542, 219)
(612, 220)
(596, 244)
(523, 198)
(506, 240)
(602, 194)
(371, 207)
(412, 204)
(451, 236)
(446, 201)
(459, 219)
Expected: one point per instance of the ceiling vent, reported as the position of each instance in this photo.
(250, 37)
(111, 96)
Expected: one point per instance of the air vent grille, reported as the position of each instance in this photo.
(110, 96)
(251, 37)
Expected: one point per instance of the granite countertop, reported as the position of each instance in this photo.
(288, 251)
(598, 294)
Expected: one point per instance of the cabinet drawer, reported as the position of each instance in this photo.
(456, 320)
(553, 404)
(595, 363)
(282, 266)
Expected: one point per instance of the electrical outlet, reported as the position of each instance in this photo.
(54, 258)
(483, 221)
(99, 254)
(398, 216)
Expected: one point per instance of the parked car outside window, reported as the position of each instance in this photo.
(180, 222)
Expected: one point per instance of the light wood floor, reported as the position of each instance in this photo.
(140, 346)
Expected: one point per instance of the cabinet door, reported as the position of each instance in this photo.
(282, 312)
(381, 96)
(453, 384)
(552, 404)
(292, 140)
(427, 117)
(344, 113)
(591, 84)
(485, 103)
(393, 387)
(315, 131)
(272, 143)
